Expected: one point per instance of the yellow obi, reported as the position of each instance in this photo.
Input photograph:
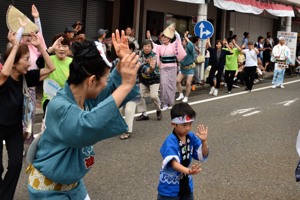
(39, 182)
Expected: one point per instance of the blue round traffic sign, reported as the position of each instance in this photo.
(204, 29)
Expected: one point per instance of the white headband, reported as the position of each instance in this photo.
(182, 119)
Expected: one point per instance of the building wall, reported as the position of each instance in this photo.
(254, 24)
(174, 8)
(55, 16)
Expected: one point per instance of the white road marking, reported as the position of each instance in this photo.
(252, 113)
(288, 102)
(224, 96)
(241, 111)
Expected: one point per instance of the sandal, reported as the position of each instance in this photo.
(124, 136)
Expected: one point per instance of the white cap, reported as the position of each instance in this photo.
(281, 38)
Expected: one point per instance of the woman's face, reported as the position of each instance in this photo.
(98, 85)
(62, 51)
(23, 64)
(26, 39)
(128, 31)
(165, 40)
(219, 45)
(261, 41)
(230, 44)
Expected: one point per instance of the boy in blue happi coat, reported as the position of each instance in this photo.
(175, 180)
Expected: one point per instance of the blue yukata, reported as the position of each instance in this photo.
(169, 179)
(65, 152)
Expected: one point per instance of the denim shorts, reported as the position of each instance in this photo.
(160, 197)
(188, 72)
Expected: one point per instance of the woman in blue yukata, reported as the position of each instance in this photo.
(178, 150)
(84, 111)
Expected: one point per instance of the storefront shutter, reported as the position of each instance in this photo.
(55, 16)
(95, 15)
(3, 30)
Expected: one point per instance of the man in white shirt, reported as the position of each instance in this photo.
(101, 47)
(281, 55)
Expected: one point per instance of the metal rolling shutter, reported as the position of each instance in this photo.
(55, 15)
(95, 16)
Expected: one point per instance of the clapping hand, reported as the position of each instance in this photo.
(202, 132)
(120, 44)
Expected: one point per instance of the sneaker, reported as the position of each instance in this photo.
(212, 89)
(164, 108)
(274, 86)
(282, 86)
(229, 92)
(142, 117)
(180, 97)
(158, 115)
(215, 92)
(185, 99)
(235, 86)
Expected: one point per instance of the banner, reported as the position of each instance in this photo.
(290, 41)
(192, 1)
(256, 7)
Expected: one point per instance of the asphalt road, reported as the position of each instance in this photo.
(252, 139)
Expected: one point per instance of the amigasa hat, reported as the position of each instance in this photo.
(169, 31)
(13, 23)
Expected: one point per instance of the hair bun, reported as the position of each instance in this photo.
(84, 50)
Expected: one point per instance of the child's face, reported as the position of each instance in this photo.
(147, 48)
(182, 129)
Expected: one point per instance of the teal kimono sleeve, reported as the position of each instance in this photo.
(80, 128)
(114, 82)
(190, 47)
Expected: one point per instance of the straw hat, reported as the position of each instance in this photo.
(13, 23)
(169, 32)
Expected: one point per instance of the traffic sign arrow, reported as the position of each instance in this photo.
(204, 29)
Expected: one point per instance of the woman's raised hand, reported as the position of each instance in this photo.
(120, 44)
(35, 40)
(12, 38)
(23, 22)
(128, 68)
(34, 11)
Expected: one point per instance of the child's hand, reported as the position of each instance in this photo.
(202, 132)
(195, 169)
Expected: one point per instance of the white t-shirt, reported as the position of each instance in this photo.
(102, 52)
(251, 57)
